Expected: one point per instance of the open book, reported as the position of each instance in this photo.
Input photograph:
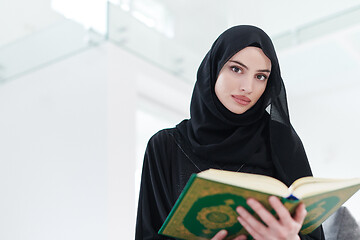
(208, 201)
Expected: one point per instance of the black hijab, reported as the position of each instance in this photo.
(222, 137)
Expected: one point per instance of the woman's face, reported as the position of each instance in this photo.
(242, 80)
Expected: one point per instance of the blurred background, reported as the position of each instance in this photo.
(85, 84)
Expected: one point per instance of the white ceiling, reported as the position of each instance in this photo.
(205, 19)
(275, 16)
(201, 18)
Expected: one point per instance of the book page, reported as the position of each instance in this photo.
(308, 186)
(255, 182)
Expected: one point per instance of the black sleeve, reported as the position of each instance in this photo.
(317, 234)
(155, 199)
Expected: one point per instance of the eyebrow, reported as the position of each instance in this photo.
(243, 65)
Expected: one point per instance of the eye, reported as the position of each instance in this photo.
(236, 69)
(261, 77)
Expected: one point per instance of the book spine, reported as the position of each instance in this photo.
(177, 203)
(292, 197)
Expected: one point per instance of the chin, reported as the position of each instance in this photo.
(238, 111)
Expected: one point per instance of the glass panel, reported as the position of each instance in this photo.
(39, 35)
(131, 30)
(43, 47)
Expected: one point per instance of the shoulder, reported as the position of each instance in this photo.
(162, 142)
(298, 143)
(162, 136)
(161, 152)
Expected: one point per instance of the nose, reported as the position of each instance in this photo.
(246, 85)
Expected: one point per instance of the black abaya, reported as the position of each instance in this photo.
(168, 164)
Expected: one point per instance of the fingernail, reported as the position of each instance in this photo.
(272, 198)
(223, 232)
(241, 237)
(240, 210)
(305, 211)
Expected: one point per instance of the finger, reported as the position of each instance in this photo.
(220, 235)
(282, 212)
(300, 213)
(249, 228)
(262, 212)
(241, 237)
(251, 221)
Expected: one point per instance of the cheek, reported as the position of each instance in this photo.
(220, 87)
(260, 90)
(224, 84)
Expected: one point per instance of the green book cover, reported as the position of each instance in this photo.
(207, 205)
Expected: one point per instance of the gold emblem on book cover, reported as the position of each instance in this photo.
(216, 217)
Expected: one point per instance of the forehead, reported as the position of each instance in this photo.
(252, 55)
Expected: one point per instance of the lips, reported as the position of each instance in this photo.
(241, 99)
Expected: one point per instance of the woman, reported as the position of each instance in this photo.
(239, 122)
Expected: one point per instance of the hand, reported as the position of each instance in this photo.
(223, 233)
(287, 227)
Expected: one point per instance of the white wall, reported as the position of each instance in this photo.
(68, 143)
(323, 96)
(53, 158)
